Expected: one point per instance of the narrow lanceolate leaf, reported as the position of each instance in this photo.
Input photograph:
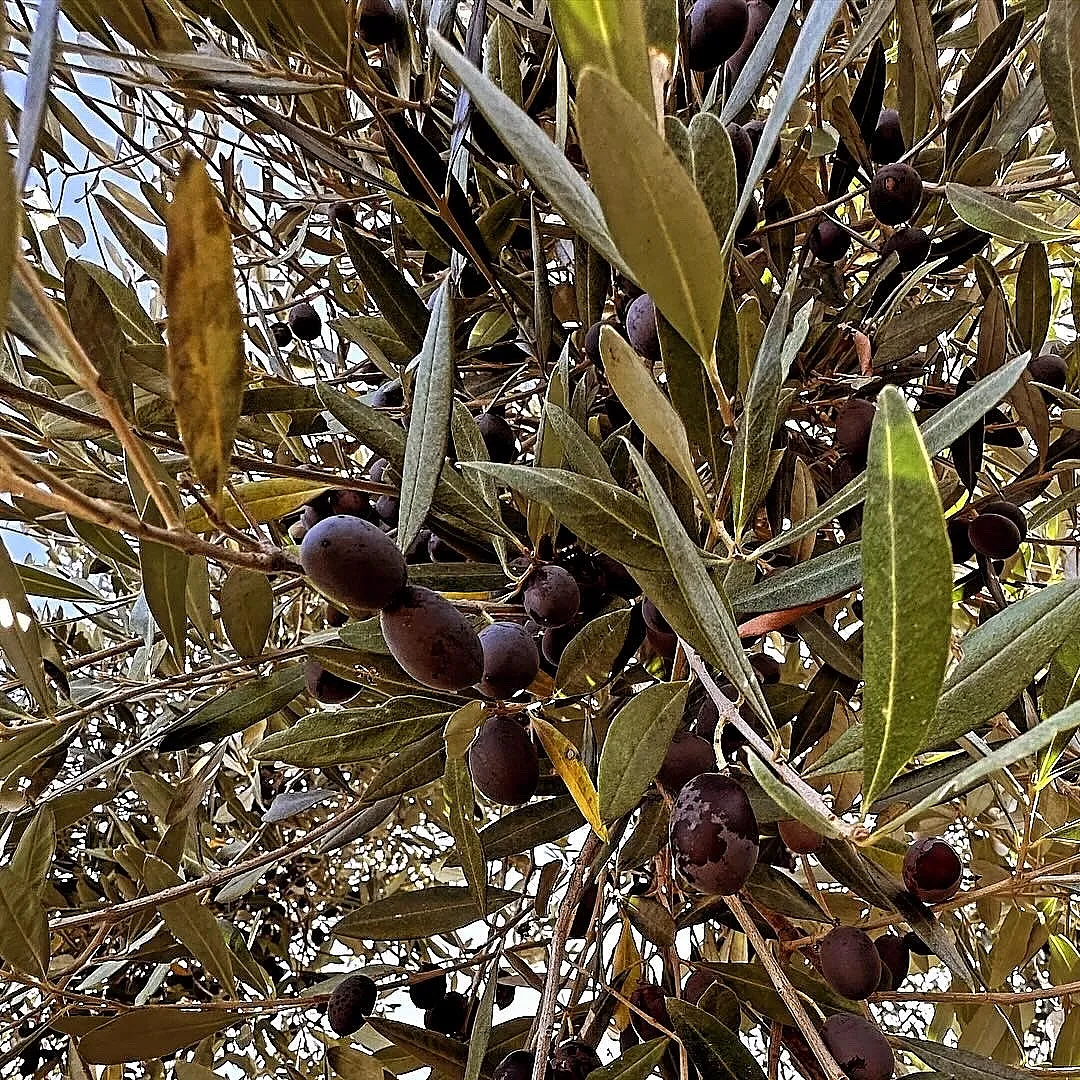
(566, 758)
(716, 1050)
(1059, 63)
(480, 1032)
(907, 582)
(206, 358)
(803, 56)
(19, 633)
(608, 36)
(717, 636)
(10, 209)
(164, 577)
(261, 501)
(635, 745)
(461, 800)
(36, 92)
(34, 852)
(646, 403)
(247, 610)
(237, 709)
(429, 421)
(636, 1064)
(544, 163)
(757, 425)
(192, 924)
(423, 913)
(993, 214)
(659, 222)
(24, 932)
(149, 1033)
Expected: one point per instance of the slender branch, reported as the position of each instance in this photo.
(118, 912)
(69, 500)
(549, 998)
(730, 714)
(787, 992)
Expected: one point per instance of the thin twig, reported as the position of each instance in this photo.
(549, 998)
(787, 992)
(730, 714)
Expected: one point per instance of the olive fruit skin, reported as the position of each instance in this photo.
(696, 984)
(304, 321)
(504, 995)
(517, 1065)
(554, 641)
(649, 998)
(932, 870)
(799, 838)
(850, 963)
(351, 1003)
(432, 640)
(687, 756)
(353, 562)
(962, 550)
(449, 1016)
(756, 128)
(573, 1060)
(714, 835)
(1008, 510)
(282, 334)
(552, 596)
(994, 536)
(343, 213)
(749, 221)
(895, 193)
(498, 436)
(377, 22)
(297, 531)
(859, 1047)
(658, 630)
(1051, 369)
(716, 30)
(388, 396)
(503, 762)
(742, 146)
(428, 994)
(854, 420)
(829, 241)
(326, 687)
(887, 142)
(916, 944)
(895, 960)
(617, 579)
(591, 345)
(511, 660)
(758, 13)
(641, 327)
(766, 668)
(911, 244)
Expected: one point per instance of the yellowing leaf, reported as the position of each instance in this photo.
(651, 410)
(264, 500)
(655, 214)
(206, 359)
(567, 761)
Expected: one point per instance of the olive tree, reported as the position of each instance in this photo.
(541, 539)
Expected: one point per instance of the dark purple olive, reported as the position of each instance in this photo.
(714, 835)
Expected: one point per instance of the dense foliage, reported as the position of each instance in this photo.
(541, 537)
